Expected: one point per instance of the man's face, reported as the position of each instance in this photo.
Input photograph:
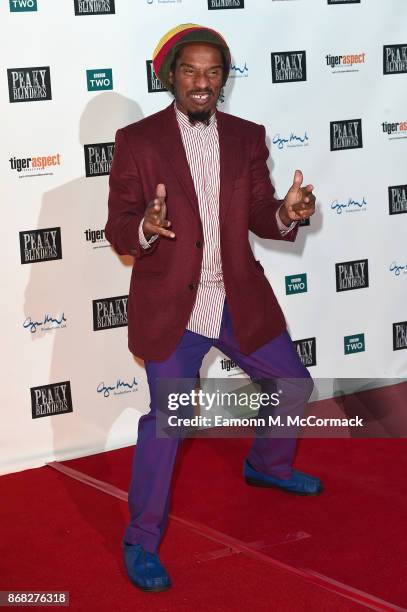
(197, 79)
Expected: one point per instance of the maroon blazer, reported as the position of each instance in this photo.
(165, 277)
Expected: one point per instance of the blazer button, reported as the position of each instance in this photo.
(191, 286)
(198, 244)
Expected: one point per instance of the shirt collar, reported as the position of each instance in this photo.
(199, 126)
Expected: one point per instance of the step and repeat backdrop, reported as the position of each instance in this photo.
(328, 79)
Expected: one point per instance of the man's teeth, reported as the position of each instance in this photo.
(199, 96)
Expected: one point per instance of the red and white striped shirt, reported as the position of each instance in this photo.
(201, 144)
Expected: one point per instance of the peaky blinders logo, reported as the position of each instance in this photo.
(153, 83)
(352, 275)
(40, 245)
(110, 312)
(400, 336)
(346, 134)
(394, 59)
(397, 199)
(307, 351)
(50, 400)
(288, 66)
(225, 4)
(98, 158)
(94, 7)
(29, 84)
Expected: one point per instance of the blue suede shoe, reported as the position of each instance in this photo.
(144, 569)
(299, 483)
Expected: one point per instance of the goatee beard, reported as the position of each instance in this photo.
(199, 116)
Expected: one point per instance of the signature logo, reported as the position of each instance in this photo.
(280, 141)
(48, 320)
(396, 269)
(350, 206)
(118, 389)
(237, 71)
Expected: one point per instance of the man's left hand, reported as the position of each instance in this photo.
(299, 203)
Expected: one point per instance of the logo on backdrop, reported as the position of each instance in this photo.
(99, 79)
(349, 206)
(110, 312)
(18, 6)
(343, 1)
(98, 158)
(48, 323)
(290, 140)
(230, 366)
(396, 130)
(40, 245)
(96, 238)
(345, 63)
(296, 283)
(94, 7)
(397, 199)
(238, 70)
(400, 336)
(346, 134)
(307, 351)
(49, 400)
(354, 344)
(119, 388)
(288, 66)
(397, 269)
(29, 84)
(394, 59)
(225, 4)
(153, 83)
(352, 275)
(37, 165)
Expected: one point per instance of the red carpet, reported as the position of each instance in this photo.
(60, 534)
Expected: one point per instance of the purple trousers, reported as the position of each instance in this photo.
(154, 458)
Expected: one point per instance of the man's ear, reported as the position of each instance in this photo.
(171, 77)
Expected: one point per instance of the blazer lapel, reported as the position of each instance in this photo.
(228, 153)
(173, 148)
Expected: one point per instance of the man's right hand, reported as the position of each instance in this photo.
(155, 216)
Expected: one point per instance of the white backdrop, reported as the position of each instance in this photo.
(47, 322)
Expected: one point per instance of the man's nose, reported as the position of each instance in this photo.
(201, 80)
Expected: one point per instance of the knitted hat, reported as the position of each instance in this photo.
(164, 52)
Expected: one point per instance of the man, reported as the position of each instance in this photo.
(195, 283)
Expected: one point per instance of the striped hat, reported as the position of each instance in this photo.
(164, 52)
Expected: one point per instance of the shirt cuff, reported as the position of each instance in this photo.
(144, 243)
(283, 229)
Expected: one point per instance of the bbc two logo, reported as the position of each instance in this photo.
(346, 134)
(288, 66)
(29, 84)
(20, 6)
(296, 283)
(100, 79)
